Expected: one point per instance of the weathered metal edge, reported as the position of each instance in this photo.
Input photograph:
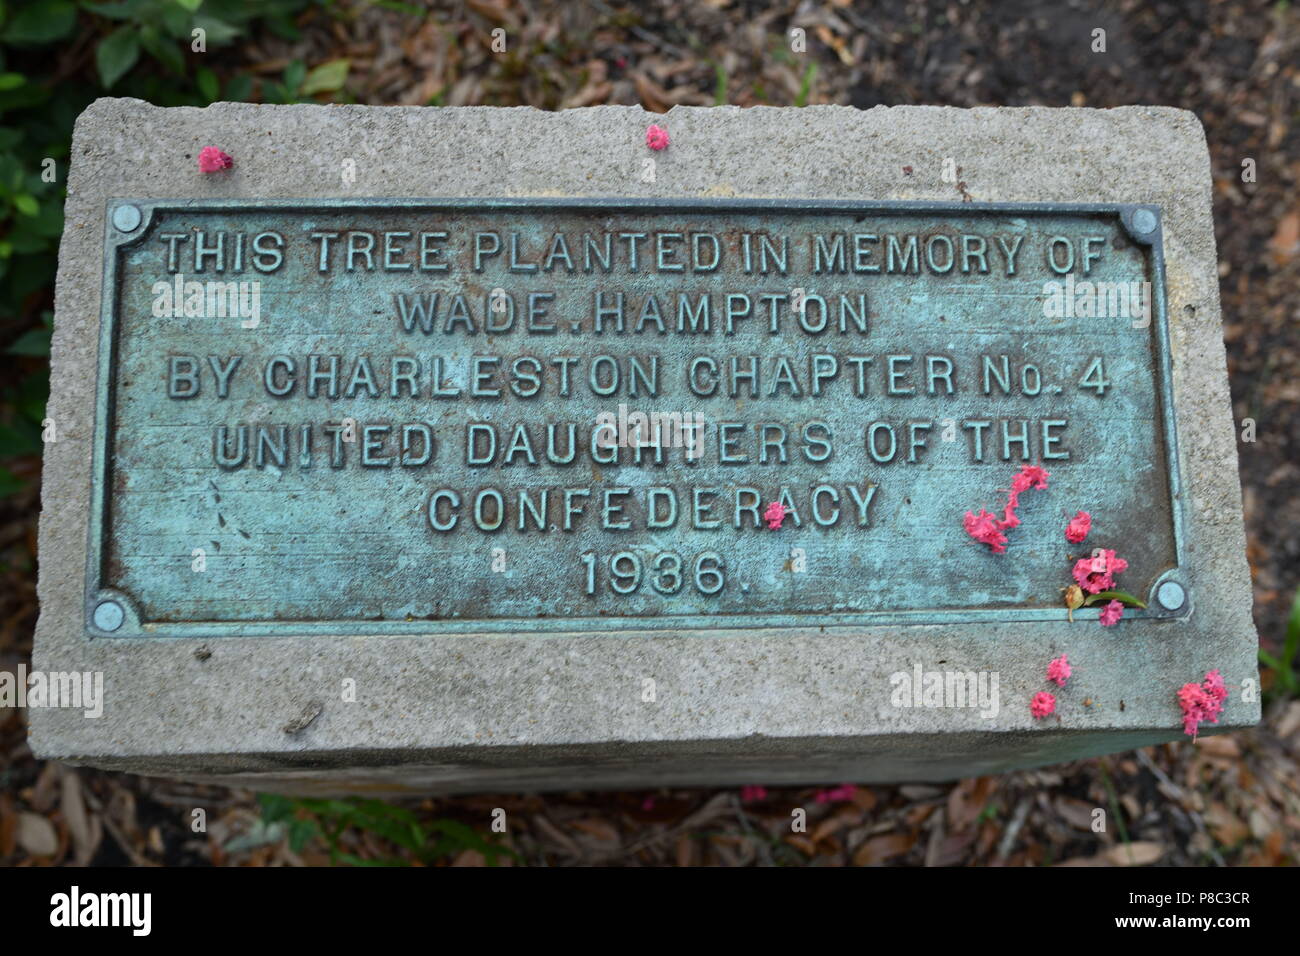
(130, 624)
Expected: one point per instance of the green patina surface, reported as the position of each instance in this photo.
(437, 416)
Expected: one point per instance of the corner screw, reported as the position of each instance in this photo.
(109, 616)
(126, 218)
(1171, 595)
(1144, 221)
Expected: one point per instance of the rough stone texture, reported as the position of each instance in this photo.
(479, 713)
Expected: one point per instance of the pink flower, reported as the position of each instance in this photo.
(1098, 573)
(213, 160)
(1202, 701)
(1111, 614)
(750, 792)
(1078, 527)
(1029, 476)
(1214, 686)
(774, 515)
(1042, 705)
(987, 528)
(1058, 671)
(844, 791)
(656, 137)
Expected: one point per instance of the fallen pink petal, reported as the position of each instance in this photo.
(1111, 613)
(985, 529)
(1202, 702)
(774, 515)
(1078, 527)
(1097, 573)
(1029, 476)
(1215, 687)
(656, 137)
(213, 160)
(1042, 705)
(1058, 671)
(844, 791)
(988, 528)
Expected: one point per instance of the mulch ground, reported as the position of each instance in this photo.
(1230, 800)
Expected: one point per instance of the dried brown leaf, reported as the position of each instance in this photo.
(1141, 853)
(881, 848)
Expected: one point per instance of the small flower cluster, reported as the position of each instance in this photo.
(844, 791)
(774, 515)
(1096, 574)
(1058, 672)
(1203, 701)
(988, 528)
(1078, 527)
(213, 160)
(656, 137)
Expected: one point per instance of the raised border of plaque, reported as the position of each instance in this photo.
(110, 613)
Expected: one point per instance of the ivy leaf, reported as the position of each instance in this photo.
(1123, 597)
(117, 53)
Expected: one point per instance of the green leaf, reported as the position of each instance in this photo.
(11, 81)
(113, 11)
(32, 342)
(9, 483)
(216, 32)
(294, 74)
(162, 49)
(42, 22)
(1123, 597)
(190, 5)
(1292, 643)
(239, 88)
(117, 53)
(301, 832)
(208, 84)
(27, 205)
(283, 27)
(326, 78)
(33, 395)
(19, 441)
